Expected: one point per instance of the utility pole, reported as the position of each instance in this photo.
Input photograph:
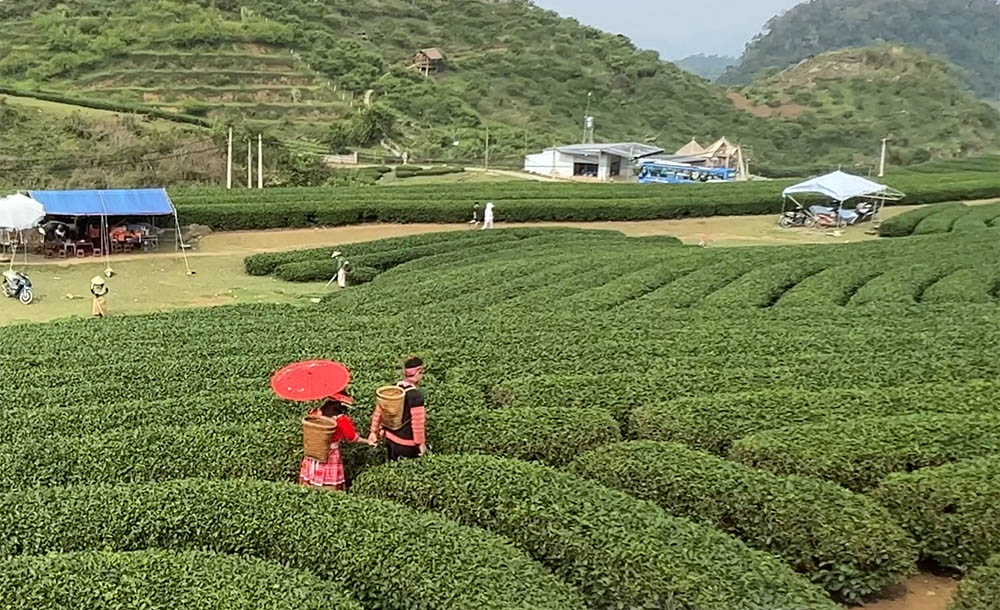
(586, 118)
(229, 161)
(260, 160)
(881, 166)
(249, 163)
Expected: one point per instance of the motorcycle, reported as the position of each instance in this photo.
(17, 285)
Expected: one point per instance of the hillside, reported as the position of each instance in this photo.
(340, 76)
(709, 67)
(962, 31)
(299, 66)
(848, 96)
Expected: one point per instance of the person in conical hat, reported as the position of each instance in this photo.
(99, 289)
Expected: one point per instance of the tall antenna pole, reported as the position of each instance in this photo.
(586, 118)
(881, 166)
(487, 148)
(260, 160)
(249, 163)
(229, 161)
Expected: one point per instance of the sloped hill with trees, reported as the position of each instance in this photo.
(963, 31)
(849, 96)
(341, 75)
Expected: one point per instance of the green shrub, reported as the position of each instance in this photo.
(858, 454)
(905, 224)
(160, 580)
(269, 452)
(618, 551)
(272, 451)
(943, 219)
(841, 540)
(953, 511)
(981, 589)
(714, 422)
(550, 435)
(361, 545)
(194, 409)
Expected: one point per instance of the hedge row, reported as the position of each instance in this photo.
(387, 556)
(160, 580)
(114, 106)
(326, 208)
(843, 541)
(953, 511)
(618, 551)
(272, 451)
(268, 262)
(942, 220)
(858, 454)
(981, 589)
(714, 422)
(409, 171)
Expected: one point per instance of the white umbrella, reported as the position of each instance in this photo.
(20, 212)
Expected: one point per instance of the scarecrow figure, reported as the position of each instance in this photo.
(100, 291)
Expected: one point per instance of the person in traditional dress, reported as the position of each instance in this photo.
(410, 439)
(488, 216)
(330, 474)
(100, 291)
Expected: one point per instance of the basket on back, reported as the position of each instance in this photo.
(317, 434)
(390, 400)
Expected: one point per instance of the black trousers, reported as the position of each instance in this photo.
(398, 452)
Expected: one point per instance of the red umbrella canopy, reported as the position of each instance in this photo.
(310, 380)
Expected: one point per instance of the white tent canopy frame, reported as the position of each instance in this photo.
(19, 213)
(841, 187)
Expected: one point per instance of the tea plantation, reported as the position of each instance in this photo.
(539, 201)
(614, 423)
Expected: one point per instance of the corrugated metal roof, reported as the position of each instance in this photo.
(629, 150)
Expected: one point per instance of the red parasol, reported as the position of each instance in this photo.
(310, 380)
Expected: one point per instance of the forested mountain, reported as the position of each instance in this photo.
(302, 65)
(339, 75)
(848, 96)
(710, 67)
(966, 32)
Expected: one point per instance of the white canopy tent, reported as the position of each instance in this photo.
(841, 187)
(18, 213)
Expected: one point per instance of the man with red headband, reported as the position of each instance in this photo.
(410, 439)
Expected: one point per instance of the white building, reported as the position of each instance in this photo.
(601, 161)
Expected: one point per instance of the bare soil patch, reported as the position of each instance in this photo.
(922, 592)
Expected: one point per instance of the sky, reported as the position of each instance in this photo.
(677, 29)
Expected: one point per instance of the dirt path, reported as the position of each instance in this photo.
(922, 592)
(715, 231)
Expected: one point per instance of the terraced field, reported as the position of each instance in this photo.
(614, 423)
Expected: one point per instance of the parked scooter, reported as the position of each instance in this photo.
(17, 285)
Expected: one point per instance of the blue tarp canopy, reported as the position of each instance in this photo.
(123, 202)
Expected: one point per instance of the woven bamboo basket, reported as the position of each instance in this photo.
(390, 400)
(317, 433)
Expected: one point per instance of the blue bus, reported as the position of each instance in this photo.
(659, 172)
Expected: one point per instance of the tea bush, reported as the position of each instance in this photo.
(361, 545)
(980, 590)
(160, 580)
(841, 540)
(618, 551)
(953, 511)
(858, 454)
